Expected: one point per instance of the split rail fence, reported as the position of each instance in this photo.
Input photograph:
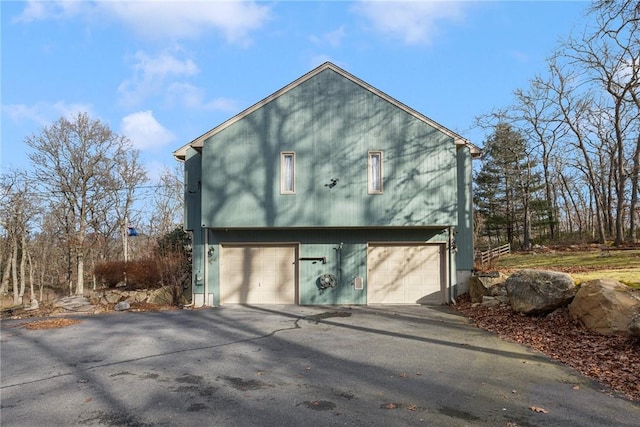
(487, 255)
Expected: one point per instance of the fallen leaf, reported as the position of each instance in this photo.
(538, 409)
(51, 323)
(576, 387)
(412, 407)
(390, 406)
(403, 375)
(613, 361)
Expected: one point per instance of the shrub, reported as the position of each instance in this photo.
(137, 274)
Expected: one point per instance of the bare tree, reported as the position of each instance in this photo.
(167, 203)
(609, 57)
(574, 104)
(73, 162)
(128, 175)
(18, 214)
(541, 122)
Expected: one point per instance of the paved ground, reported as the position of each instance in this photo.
(289, 366)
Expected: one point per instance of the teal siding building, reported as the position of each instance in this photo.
(329, 191)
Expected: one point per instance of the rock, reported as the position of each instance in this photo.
(486, 285)
(142, 296)
(112, 297)
(634, 325)
(34, 305)
(539, 291)
(606, 306)
(122, 306)
(163, 295)
(74, 303)
(490, 301)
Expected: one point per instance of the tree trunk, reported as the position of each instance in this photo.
(4, 284)
(41, 284)
(634, 210)
(33, 295)
(23, 262)
(80, 268)
(597, 198)
(573, 203)
(620, 184)
(551, 216)
(14, 270)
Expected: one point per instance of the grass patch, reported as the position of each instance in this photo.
(621, 265)
(628, 276)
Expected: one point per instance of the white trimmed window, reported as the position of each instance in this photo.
(287, 172)
(375, 172)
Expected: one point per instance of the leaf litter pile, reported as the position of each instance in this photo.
(613, 361)
(60, 322)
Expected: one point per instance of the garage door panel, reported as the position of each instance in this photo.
(404, 274)
(258, 275)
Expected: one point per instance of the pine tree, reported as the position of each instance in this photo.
(506, 186)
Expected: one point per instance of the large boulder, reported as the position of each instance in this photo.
(163, 296)
(605, 306)
(539, 291)
(634, 326)
(486, 284)
(73, 304)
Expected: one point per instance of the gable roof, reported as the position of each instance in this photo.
(197, 143)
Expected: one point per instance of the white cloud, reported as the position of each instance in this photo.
(189, 19)
(332, 38)
(192, 97)
(44, 113)
(155, 19)
(414, 22)
(151, 73)
(37, 10)
(145, 131)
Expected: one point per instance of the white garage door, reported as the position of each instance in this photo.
(404, 274)
(258, 274)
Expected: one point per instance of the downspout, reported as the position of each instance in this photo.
(339, 254)
(205, 268)
(449, 278)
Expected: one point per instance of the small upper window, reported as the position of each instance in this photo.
(287, 173)
(375, 172)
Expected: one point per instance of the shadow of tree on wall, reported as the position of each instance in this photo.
(331, 124)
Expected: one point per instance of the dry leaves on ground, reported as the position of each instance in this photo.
(59, 322)
(614, 361)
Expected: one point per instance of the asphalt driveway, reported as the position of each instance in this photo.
(289, 366)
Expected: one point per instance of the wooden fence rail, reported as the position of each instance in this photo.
(491, 253)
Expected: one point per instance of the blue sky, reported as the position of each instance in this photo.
(163, 73)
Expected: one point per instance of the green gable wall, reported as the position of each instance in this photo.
(192, 190)
(464, 230)
(192, 215)
(331, 123)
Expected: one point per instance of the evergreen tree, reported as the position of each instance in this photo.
(506, 187)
